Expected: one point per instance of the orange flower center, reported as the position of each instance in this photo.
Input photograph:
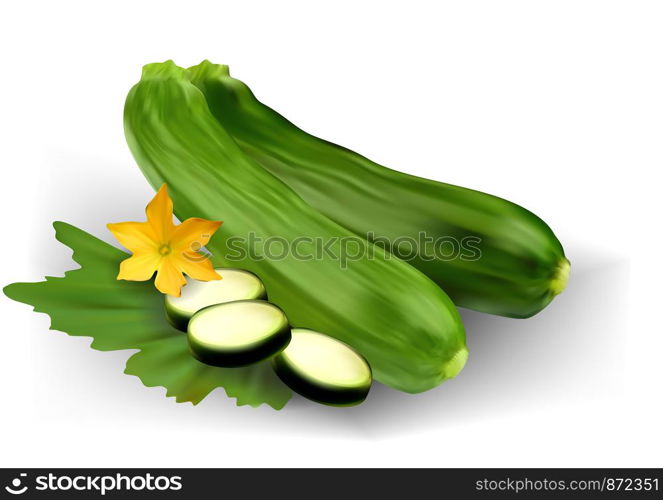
(164, 249)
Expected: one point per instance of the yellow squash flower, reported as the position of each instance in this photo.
(161, 246)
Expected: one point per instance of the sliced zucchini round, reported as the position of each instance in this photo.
(238, 333)
(323, 369)
(236, 284)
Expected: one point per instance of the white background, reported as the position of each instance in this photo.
(555, 105)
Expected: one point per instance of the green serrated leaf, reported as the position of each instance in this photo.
(118, 315)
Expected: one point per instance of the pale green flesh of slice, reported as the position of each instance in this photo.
(235, 284)
(236, 326)
(325, 361)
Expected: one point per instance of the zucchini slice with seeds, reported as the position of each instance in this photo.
(238, 333)
(323, 369)
(236, 284)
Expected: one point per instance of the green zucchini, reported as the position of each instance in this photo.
(238, 333)
(236, 284)
(487, 253)
(323, 369)
(399, 320)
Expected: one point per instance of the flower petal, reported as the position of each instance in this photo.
(160, 215)
(193, 234)
(139, 267)
(138, 237)
(169, 278)
(196, 266)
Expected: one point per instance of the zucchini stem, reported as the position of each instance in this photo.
(454, 365)
(560, 277)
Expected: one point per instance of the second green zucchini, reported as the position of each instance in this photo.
(487, 253)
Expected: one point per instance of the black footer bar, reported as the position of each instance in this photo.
(314, 484)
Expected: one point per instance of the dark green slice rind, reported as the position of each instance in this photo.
(345, 384)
